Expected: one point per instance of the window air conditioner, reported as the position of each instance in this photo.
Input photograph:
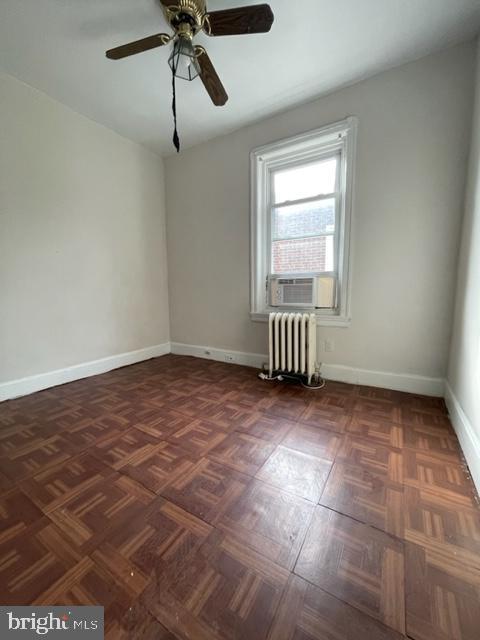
(315, 292)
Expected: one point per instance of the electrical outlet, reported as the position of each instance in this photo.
(329, 346)
(230, 358)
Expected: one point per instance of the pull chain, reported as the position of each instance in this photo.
(176, 139)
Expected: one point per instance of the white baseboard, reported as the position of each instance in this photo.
(24, 386)
(468, 437)
(255, 360)
(399, 382)
(407, 382)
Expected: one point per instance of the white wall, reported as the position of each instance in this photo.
(414, 133)
(463, 394)
(83, 270)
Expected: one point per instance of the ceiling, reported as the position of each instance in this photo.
(315, 46)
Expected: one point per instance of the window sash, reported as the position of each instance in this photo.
(305, 237)
(331, 151)
(336, 195)
(303, 274)
(292, 203)
(332, 196)
(271, 270)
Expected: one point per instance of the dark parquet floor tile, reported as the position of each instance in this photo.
(227, 591)
(194, 407)
(12, 417)
(156, 468)
(86, 433)
(154, 545)
(5, 484)
(161, 399)
(87, 518)
(87, 582)
(376, 429)
(198, 437)
(119, 449)
(268, 428)
(369, 497)
(138, 624)
(233, 417)
(423, 470)
(443, 595)
(434, 519)
(207, 490)
(160, 423)
(373, 456)
(250, 398)
(196, 502)
(290, 408)
(17, 512)
(424, 404)
(313, 441)
(420, 418)
(308, 613)
(360, 565)
(435, 442)
(32, 561)
(272, 522)
(56, 485)
(69, 417)
(319, 415)
(336, 398)
(242, 452)
(34, 457)
(376, 393)
(16, 437)
(296, 472)
(388, 410)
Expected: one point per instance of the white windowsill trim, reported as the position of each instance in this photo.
(322, 319)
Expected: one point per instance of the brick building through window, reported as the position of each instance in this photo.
(303, 219)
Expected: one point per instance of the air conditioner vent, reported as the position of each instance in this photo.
(296, 281)
(297, 293)
(315, 292)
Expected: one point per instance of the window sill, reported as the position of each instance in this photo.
(322, 319)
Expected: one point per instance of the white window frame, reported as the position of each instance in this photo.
(339, 137)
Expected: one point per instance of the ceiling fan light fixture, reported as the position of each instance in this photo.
(187, 18)
(183, 60)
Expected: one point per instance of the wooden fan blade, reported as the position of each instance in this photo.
(211, 81)
(257, 18)
(139, 46)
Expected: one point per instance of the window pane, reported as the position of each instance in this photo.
(303, 256)
(306, 181)
(301, 220)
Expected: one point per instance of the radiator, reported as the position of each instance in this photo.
(293, 343)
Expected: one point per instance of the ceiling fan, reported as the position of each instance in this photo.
(187, 18)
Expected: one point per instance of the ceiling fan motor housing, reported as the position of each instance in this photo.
(190, 12)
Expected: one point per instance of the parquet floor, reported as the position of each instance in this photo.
(194, 501)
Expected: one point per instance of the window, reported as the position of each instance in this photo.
(303, 217)
(301, 213)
